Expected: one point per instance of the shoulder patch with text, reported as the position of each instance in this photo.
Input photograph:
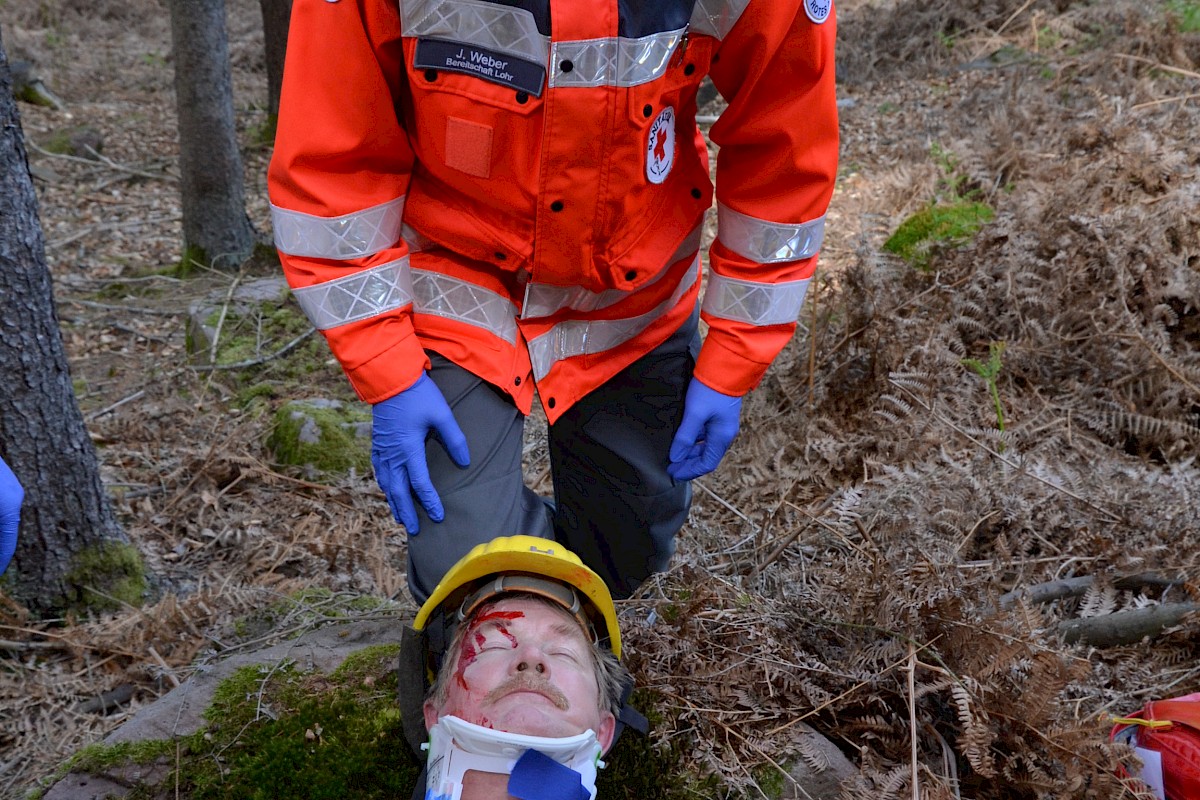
(660, 146)
(818, 10)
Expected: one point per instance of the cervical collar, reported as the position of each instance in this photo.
(457, 746)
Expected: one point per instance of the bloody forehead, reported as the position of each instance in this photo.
(501, 613)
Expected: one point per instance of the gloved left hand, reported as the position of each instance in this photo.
(710, 423)
(11, 497)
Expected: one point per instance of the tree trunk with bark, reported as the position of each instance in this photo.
(216, 229)
(276, 15)
(67, 522)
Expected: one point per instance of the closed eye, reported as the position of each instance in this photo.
(494, 639)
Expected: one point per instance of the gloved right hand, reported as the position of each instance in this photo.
(399, 427)
(11, 497)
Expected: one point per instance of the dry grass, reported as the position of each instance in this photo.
(845, 566)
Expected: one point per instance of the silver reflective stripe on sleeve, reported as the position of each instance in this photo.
(415, 241)
(716, 18)
(359, 296)
(755, 303)
(488, 25)
(613, 61)
(768, 242)
(579, 337)
(443, 296)
(356, 235)
(544, 299)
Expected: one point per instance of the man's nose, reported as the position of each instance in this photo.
(531, 659)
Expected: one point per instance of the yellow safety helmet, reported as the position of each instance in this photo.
(532, 565)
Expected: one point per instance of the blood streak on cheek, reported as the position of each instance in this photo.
(466, 658)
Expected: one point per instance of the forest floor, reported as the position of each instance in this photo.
(853, 562)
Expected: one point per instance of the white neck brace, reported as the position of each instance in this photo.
(456, 746)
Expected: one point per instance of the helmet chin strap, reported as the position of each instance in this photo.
(457, 746)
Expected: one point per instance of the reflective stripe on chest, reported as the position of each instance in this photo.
(510, 44)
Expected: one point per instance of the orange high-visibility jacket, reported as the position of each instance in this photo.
(520, 185)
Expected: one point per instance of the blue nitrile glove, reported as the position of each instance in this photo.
(11, 496)
(399, 428)
(710, 422)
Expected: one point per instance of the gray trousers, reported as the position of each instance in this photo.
(614, 504)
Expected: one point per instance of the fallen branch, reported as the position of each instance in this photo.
(1187, 73)
(216, 337)
(107, 702)
(254, 362)
(787, 540)
(754, 527)
(54, 244)
(1183, 98)
(17, 647)
(1074, 587)
(135, 396)
(127, 309)
(102, 161)
(1125, 627)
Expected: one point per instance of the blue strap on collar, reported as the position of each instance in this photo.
(536, 776)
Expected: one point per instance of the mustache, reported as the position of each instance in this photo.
(526, 682)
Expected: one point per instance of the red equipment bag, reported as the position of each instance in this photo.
(1171, 728)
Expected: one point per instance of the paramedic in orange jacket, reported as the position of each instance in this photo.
(477, 201)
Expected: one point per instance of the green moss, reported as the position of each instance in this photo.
(256, 391)
(107, 577)
(319, 603)
(309, 606)
(96, 758)
(338, 448)
(32, 94)
(939, 225)
(320, 737)
(117, 290)
(770, 780)
(334, 747)
(190, 262)
(368, 662)
(266, 348)
(263, 134)
(281, 732)
(60, 141)
(264, 258)
(638, 768)
(1186, 15)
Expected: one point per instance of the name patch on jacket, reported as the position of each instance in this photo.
(469, 59)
